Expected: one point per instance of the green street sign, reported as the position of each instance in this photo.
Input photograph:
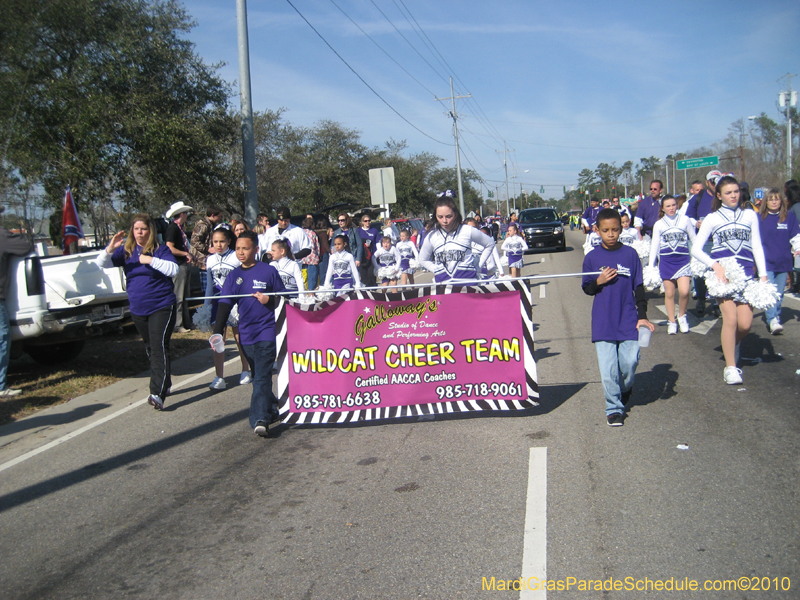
(541, 190)
(696, 163)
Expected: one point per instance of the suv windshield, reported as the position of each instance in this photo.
(537, 216)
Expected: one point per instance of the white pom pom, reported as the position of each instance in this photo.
(504, 261)
(202, 318)
(307, 299)
(413, 264)
(233, 318)
(642, 248)
(652, 278)
(698, 268)
(761, 294)
(735, 275)
(324, 293)
(389, 272)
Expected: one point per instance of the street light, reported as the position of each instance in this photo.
(788, 99)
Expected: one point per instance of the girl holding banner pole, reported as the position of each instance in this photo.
(447, 249)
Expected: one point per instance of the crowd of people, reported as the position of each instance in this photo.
(245, 266)
(718, 224)
(242, 268)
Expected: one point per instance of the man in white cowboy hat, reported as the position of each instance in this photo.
(176, 241)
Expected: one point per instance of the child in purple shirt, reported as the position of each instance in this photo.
(256, 324)
(618, 310)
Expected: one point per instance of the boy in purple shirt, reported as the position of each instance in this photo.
(618, 310)
(256, 324)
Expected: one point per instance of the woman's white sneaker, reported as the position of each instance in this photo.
(775, 326)
(683, 323)
(732, 375)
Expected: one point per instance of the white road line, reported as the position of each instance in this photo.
(542, 292)
(92, 425)
(534, 544)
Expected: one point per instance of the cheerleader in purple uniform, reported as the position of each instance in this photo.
(671, 237)
(218, 266)
(734, 232)
(386, 262)
(514, 247)
(407, 250)
(342, 270)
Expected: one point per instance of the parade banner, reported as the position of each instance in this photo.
(431, 350)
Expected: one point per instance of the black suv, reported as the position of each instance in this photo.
(542, 228)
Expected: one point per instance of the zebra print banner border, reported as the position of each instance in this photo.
(413, 410)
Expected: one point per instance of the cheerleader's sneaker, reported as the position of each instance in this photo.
(218, 384)
(672, 328)
(683, 323)
(775, 327)
(245, 378)
(732, 375)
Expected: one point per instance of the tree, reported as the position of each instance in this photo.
(109, 97)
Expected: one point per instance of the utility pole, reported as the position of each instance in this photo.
(788, 99)
(454, 116)
(248, 143)
(505, 166)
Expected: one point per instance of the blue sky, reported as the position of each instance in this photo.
(566, 85)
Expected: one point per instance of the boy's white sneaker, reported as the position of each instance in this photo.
(245, 378)
(672, 328)
(732, 375)
(683, 323)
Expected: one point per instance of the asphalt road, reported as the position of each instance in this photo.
(188, 503)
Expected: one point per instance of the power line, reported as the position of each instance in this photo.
(383, 50)
(408, 42)
(394, 110)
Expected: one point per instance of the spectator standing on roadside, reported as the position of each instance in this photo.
(149, 268)
(201, 239)
(284, 229)
(178, 244)
(11, 244)
(311, 262)
(698, 208)
(649, 209)
(368, 242)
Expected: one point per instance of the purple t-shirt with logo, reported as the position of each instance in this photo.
(614, 315)
(256, 321)
(775, 238)
(148, 290)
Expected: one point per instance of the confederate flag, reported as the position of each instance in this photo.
(70, 222)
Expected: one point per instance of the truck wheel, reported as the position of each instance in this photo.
(55, 353)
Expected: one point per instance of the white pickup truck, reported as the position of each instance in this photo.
(55, 302)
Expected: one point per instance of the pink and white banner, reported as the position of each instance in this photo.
(383, 355)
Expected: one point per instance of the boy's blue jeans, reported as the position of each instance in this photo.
(263, 403)
(618, 362)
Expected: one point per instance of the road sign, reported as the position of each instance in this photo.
(541, 190)
(696, 163)
(381, 186)
(758, 193)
